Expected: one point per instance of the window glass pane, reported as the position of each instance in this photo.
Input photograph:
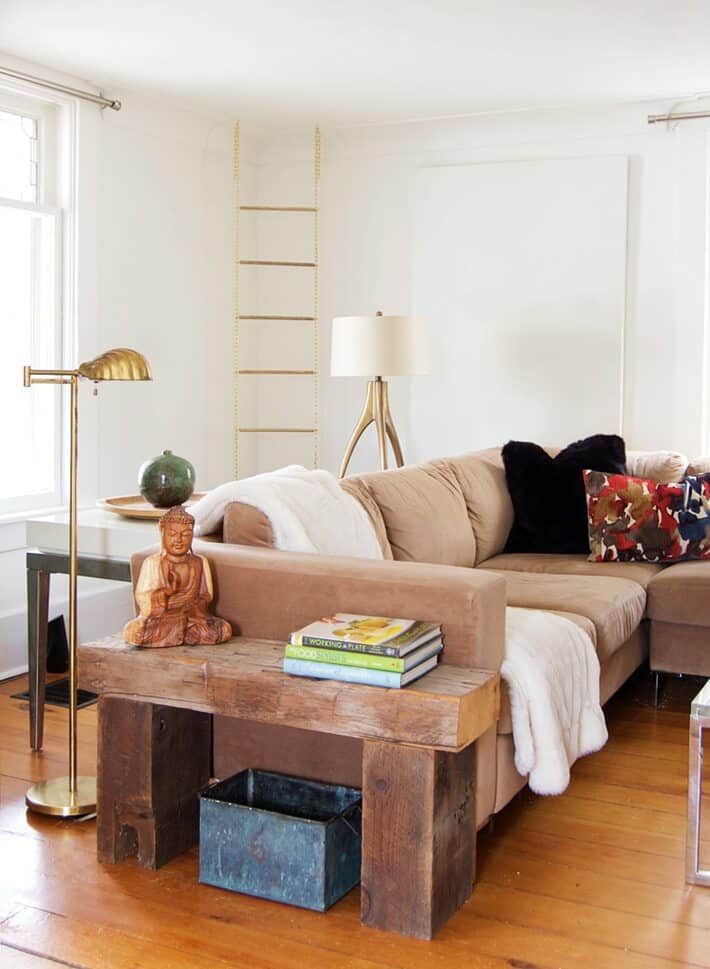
(29, 326)
(18, 157)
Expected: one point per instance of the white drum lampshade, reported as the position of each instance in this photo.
(370, 346)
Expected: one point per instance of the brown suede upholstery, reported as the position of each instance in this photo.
(359, 490)
(427, 495)
(615, 606)
(481, 476)
(246, 525)
(553, 564)
(681, 594)
(267, 594)
(679, 605)
(677, 648)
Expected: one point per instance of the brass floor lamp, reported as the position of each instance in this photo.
(366, 345)
(73, 796)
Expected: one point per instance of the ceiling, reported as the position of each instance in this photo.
(346, 62)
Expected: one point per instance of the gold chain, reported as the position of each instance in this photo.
(316, 377)
(237, 293)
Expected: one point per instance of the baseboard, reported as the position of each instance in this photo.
(12, 673)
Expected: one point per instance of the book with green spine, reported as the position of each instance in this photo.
(341, 657)
(374, 635)
(356, 674)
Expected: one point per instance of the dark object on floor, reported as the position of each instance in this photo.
(548, 495)
(57, 646)
(283, 838)
(57, 694)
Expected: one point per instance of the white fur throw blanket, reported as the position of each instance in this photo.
(308, 511)
(552, 672)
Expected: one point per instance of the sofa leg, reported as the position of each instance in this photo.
(656, 687)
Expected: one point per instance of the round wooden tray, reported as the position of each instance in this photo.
(135, 506)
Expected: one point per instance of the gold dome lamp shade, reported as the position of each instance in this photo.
(74, 795)
(119, 364)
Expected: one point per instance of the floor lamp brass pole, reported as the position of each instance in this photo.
(75, 795)
(376, 410)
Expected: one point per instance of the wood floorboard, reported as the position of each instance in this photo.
(593, 879)
(11, 958)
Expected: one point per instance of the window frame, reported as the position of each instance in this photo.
(56, 193)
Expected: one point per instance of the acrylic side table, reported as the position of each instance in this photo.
(699, 723)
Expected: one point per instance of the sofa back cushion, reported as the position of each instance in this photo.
(424, 512)
(481, 477)
(359, 489)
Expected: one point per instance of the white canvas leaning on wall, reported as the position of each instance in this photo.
(519, 269)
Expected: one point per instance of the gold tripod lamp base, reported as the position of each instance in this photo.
(55, 797)
(375, 411)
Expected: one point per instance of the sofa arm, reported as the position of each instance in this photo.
(266, 594)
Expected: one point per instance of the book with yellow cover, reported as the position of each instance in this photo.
(378, 635)
(342, 657)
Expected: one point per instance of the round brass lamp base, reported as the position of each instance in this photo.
(54, 797)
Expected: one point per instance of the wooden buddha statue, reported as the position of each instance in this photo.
(174, 591)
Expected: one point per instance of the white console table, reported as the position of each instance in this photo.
(105, 545)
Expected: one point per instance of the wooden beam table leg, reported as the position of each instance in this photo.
(152, 763)
(418, 836)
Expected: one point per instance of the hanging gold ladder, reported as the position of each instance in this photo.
(239, 316)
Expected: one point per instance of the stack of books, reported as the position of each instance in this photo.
(364, 649)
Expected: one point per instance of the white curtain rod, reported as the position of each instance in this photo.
(53, 86)
(680, 116)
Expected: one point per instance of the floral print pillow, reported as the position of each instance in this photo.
(635, 520)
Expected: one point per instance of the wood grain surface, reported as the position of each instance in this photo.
(589, 880)
(446, 709)
(420, 846)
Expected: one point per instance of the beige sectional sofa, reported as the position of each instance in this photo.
(442, 527)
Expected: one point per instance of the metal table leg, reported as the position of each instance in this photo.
(694, 874)
(40, 565)
(37, 619)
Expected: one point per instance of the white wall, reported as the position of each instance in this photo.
(154, 241)
(366, 265)
(521, 267)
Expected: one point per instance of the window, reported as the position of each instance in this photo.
(30, 303)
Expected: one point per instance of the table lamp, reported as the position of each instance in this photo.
(367, 346)
(74, 796)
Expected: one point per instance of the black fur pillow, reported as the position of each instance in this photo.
(549, 500)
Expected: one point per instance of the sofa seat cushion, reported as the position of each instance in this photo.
(615, 606)
(556, 564)
(681, 594)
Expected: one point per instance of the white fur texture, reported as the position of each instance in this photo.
(308, 511)
(552, 672)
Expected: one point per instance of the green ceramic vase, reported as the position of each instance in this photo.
(166, 480)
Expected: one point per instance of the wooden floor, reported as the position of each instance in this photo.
(591, 879)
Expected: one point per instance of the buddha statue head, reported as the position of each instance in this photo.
(176, 531)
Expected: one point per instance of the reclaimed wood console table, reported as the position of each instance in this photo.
(418, 824)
